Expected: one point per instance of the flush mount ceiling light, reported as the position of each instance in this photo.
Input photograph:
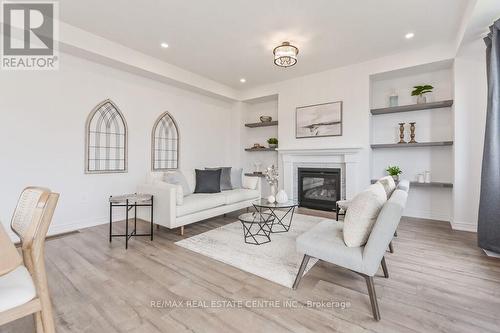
(164, 45)
(409, 35)
(285, 55)
(243, 80)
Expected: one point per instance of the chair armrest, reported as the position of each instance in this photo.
(164, 203)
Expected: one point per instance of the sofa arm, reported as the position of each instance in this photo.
(164, 203)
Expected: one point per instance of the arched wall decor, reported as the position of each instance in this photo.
(165, 143)
(106, 140)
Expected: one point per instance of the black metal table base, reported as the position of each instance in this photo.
(276, 220)
(128, 206)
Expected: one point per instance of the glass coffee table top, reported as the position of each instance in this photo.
(266, 204)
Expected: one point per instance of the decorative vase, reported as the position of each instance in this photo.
(420, 178)
(257, 167)
(402, 133)
(274, 190)
(273, 145)
(395, 177)
(266, 119)
(421, 99)
(393, 99)
(281, 197)
(427, 176)
(271, 199)
(412, 133)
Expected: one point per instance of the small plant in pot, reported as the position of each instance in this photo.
(420, 92)
(394, 171)
(273, 142)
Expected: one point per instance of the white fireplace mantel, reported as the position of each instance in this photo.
(344, 158)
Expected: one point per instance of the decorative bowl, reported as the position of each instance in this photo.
(266, 119)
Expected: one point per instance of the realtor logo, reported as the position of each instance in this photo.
(29, 39)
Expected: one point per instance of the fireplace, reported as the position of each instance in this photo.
(319, 188)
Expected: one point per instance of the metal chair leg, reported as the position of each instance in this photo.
(396, 233)
(391, 247)
(337, 211)
(303, 266)
(384, 268)
(373, 297)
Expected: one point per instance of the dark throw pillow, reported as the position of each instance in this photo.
(207, 181)
(225, 178)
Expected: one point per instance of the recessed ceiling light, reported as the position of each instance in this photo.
(243, 80)
(164, 45)
(409, 35)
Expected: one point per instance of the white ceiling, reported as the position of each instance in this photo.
(225, 40)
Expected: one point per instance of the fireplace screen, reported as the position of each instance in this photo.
(319, 188)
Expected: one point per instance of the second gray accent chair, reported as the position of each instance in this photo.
(325, 242)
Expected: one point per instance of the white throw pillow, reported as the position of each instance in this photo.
(250, 182)
(155, 177)
(362, 214)
(389, 185)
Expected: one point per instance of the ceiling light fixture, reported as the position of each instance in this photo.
(164, 45)
(409, 35)
(243, 80)
(285, 55)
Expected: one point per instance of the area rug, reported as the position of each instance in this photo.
(277, 261)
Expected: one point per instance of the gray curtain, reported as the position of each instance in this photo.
(489, 204)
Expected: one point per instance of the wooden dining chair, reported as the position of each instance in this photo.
(24, 290)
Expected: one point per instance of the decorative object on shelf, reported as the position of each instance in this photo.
(273, 142)
(420, 178)
(427, 176)
(402, 133)
(412, 133)
(257, 146)
(318, 120)
(420, 92)
(285, 55)
(272, 177)
(266, 119)
(394, 172)
(281, 197)
(271, 199)
(257, 166)
(393, 99)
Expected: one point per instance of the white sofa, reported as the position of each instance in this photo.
(194, 207)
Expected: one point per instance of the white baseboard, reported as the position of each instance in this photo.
(463, 226)
(428, 215)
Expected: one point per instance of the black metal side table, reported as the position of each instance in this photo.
(129, 201)
(256, 228)
(265, 209)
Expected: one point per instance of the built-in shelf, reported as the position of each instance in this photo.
(260, 149)
(431, 184)
(255, 175)
(263, 124)
(413, 107)
(413, 145)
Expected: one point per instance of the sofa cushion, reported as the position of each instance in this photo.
(207, 181)
(200, 201)
(16, 288)
(362, 214)
(178, 178)
(238, 195)
(236, 177)
(250, 182)
(225, 178)
(324, 241)
(389, 185)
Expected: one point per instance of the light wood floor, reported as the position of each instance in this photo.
(439, 282)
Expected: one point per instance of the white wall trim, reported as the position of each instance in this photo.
(463, 226)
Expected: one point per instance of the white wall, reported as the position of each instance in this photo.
(42, 124)
(470, 120)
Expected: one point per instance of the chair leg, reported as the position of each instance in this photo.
(396, 233)
(182, 231)
(384, 268)
(337, 211)
(303, 266)
(373, 297)
(38, 322)
(391, 247)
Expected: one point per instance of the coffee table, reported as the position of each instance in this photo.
(256, 228)
(278, 224)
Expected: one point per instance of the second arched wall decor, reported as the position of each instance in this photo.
(165, 143)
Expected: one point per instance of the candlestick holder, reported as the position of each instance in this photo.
(402, 133)
(412, 133)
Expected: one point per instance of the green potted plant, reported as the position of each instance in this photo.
(394, 171)
(273, 142)
(420, 92)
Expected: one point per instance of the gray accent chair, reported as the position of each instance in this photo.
(326, 242)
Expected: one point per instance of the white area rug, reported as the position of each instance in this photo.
(276, 261)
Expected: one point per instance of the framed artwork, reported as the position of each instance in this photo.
(318, 120)
(165, 143)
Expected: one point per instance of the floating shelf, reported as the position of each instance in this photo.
(413, 107)
(260, 149)
(413, 145)
(431, 184)
(263, 124)
(261, 175)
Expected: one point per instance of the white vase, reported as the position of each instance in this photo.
(281, 197)
(271, 199)
(427, 176)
